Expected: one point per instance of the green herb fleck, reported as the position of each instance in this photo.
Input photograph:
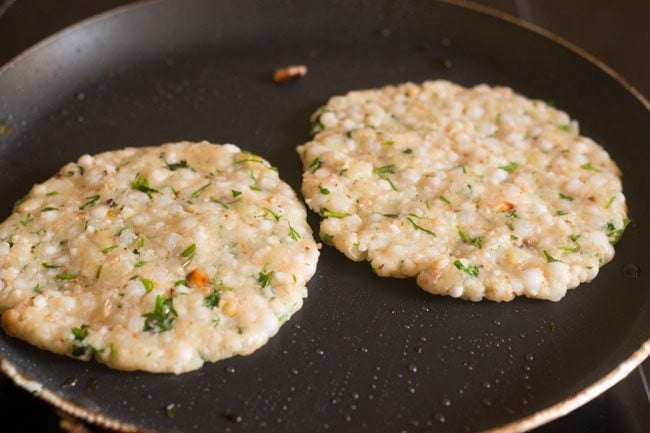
(467, 239)
(315, 165)
(221, 202)
(66, 276)
(566, 197)
(390, 215)
(615, 234)
(90, 202)
(212, 300)
(148, 284)
(162, 317)
(327, 238)
(235, 193)
(188, 253)
(471, 270)
(570, 249)
(513, 238)
(334, 214)
(590, 167)
(316, 127)
(109, 249)
(275, 216)
(444, 199)
(264, 277)
(142, 184)
(550, 258)
(509, 167)
(293, 234)
(407, 151)
(255, 188)
(51, 193)
(199, 191)
(419, 227)
(574, 238)
(609, 203)
(565, 127)
(48, 266)
(324, 191)
(50, 209)
(178, 165)
(37, 288)
(180, 283)
(560, 213)
(385, 169)
(28, 219)
(80, 333)
(98, 272)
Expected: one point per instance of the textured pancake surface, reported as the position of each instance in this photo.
(156, 258)
(478, 192)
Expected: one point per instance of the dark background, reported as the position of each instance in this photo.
(615, 32)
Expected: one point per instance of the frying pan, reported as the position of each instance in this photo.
(364, 353)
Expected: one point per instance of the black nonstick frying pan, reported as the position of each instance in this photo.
(364, 353)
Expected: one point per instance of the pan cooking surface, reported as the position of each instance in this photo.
(365, 353)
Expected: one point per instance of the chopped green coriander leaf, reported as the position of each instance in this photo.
(199, 191)
(390, 215)
(109, 249)
(348, 134)
(327, 238)
(48, 266)
(574, 238)
(28, 219)
(570, 249)
(162, 317)
(275, 216)
(82, 170)
(212, 300)
(419, 227)
(142, 184)
(80, 333)
(255, 188)
(513, 238)
(334, 214)
(139, 244)
(385, 169)
(389, 142)
(550, 258)
(407, 151)
(50, 209)
(609, 203)
(590, 167)
(98, 272)
(324, 191)
(189, 252)
(566, 197)
(180, 283)
(37, 288)
(139, 264)
(315, 165)
(264, 277)
(148, 284)
(512, 214)
(178, 165)
(390, 182)
(497, 119)
(220, 202)
(235, 193)
(615, 234)
(293, 234)
(565, 127)
(51, 193)
(443, 199)
(66, 276)
(241, 330)
(69, 173)
(90, 202)
(112, 349)
(467, 239)
(509, 167)
(560, 213)
(471, 270)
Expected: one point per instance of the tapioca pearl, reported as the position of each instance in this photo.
(558, 272)
(532, 280)
(475, 111)
(456, 291)
(141, 219)
(498, 176)
(574, 186)
(171, 241)
(99, 212)
(328, 119)
(545, 145)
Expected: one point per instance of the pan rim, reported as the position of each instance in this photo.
(526, 423)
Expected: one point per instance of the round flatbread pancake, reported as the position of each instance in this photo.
(156, 258)
(480, 192)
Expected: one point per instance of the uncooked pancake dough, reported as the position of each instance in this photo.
(479, 192)
(156, 258)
